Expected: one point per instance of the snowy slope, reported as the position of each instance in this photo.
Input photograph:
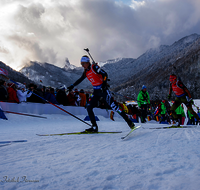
(148, 160)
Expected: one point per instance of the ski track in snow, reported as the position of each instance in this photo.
(148, 159)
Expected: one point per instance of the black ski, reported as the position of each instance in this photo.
(17, 141)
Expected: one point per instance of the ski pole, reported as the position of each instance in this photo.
(54, 105)
(23, 114)
(62, 109)
(93, 62)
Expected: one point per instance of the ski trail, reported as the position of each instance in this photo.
(1, 145)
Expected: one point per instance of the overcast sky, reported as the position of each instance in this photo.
(53, 30)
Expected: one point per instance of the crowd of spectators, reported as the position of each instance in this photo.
(10, 92)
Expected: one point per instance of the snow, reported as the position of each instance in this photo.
(150, 159)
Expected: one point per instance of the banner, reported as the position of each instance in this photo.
(3, 72)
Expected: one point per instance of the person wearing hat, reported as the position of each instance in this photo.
(182, 96)
(143, 100)
(98, 79)
(22, 93)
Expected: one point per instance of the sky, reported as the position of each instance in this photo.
(55, 30)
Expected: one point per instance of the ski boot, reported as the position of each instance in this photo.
(93, 129)
(128, 121)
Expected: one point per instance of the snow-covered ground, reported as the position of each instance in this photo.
(150, 159)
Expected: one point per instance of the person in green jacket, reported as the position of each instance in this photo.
(143, 101)
(163, 111)
(180, 113)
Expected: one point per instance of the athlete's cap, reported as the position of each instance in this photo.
(85, 59)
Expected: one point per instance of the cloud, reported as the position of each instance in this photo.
(51, 31)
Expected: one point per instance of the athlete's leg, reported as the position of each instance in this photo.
(114, 105)
(175, 105)
(91, 104)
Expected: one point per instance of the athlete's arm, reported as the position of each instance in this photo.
(100, 71)
(80, 79)
(181, 85)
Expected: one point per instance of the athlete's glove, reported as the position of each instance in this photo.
(70, 87)
(105, 86)
(189, 100)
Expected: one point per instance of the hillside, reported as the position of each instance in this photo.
(14, 75)
(183, 59)
(51, 75)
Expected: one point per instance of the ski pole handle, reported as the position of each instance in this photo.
(93, 62)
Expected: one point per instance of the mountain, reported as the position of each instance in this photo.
(127, 75)
(54, 76)
(14, 75)
(181, 58)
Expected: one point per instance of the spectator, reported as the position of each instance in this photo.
(22, 93)
(3, 91)
(61, 96)
(163, 111)
(71, 98)
(12, 93)
(50, 96)
(78, 99)
(143, 100)
(180, 114)
(37, 94)
(83, 98)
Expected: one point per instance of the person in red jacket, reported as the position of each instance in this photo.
(71, 98)
(12, 93)
(98, 79)
(182, 96)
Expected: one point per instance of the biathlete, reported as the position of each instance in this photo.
(98, 78)
(182, 96)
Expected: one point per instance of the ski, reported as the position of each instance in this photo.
(4, 142)
(171, 126)
(131, 131)
(80, 133)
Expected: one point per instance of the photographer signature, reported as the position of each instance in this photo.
(22, 179)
